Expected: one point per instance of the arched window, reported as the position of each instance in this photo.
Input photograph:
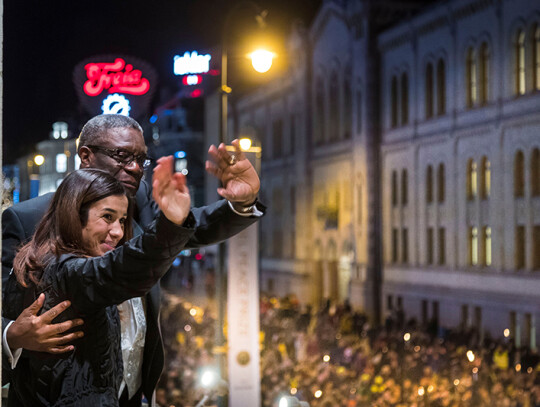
(347, 105)
(472, 180)
(429, 91)
(486, 243)
(472, 90)
(334, 106)
(441, 88)
(535, 172)
(473, 246)
(394, 102)
(484, 73)
(519, 175)
(485, 178)
(404, 98)
(535, 48)
(441, 183)
(394, 188)
(429, 184)
(319, 116)
(520, 62)
(404, 188)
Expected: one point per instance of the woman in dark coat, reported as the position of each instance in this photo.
(80, 253)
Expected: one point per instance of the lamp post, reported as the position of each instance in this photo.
(225, 91)
(262, 61)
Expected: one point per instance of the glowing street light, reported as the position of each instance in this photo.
(261, 60)
(39, 159)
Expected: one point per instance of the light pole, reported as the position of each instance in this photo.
(225, 90)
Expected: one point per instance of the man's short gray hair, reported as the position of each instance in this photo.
(95, 128)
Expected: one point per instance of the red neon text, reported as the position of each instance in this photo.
(117, 77)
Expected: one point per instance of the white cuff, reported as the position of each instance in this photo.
(254, 212)
(12, 357)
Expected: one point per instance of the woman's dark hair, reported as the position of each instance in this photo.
(60, 230)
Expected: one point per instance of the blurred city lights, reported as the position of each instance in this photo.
(421, 391)
(506, 333)
(39, 159)
(318, 394)
(209, 378)
(326, 358)
(456, 382)
(294, 390)
(470, 355)
(192, 312)
(187, 328)
(518, 367)
(407, 337)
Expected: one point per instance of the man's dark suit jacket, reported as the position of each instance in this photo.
(214, 223)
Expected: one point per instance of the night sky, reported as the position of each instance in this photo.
(44, 40)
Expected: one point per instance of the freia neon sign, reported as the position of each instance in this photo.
(115, 77)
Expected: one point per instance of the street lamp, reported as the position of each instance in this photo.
(259, 59)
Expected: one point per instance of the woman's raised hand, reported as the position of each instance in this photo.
(170, 191)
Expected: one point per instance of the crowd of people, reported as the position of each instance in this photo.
(333, 357)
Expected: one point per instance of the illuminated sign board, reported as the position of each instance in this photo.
(115, 84)
(191, 63)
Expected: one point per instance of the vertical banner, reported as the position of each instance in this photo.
(243, 319)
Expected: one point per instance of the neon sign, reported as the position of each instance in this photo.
(117, 77)
(191, 63)
(115, 84)
(116, 104)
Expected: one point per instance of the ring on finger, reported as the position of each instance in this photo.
(233, 159)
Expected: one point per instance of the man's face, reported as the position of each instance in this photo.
(125, 139)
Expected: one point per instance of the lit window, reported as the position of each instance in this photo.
(487, 245)
(484, 73)
(61, 163)
(520, 62)
(472, 89)
(485, 181)
(473, 246)
(472, 180)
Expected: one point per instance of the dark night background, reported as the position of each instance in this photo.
(44, 40)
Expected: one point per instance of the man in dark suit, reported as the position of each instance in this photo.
(115, 143)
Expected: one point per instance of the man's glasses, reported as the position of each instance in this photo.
(124, 157)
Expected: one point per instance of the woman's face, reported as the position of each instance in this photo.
(105, 226)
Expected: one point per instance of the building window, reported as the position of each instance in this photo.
(472, 90)
(277, 138)
(536, 247)
(358, 112)
(292, 134)
(472, 180)
(473, 246)
(485, 178)
(441, 183)
(535, 172)
(486, 246)
(484, 73)
(404, 98)
(61, 163)
(429, 184)
(442, 246)
(394, 245)
(519, 175)
(520, 247)
(441, 87)
(394, 102)
(429, 246)
(520, 62)
(404, 188)
(429, 91)
(536, 57)
(347, 106)
(405, 245)
(319, 116)
(334, 106)
(394, 188)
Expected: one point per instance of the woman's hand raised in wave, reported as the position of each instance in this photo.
(170, 191)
